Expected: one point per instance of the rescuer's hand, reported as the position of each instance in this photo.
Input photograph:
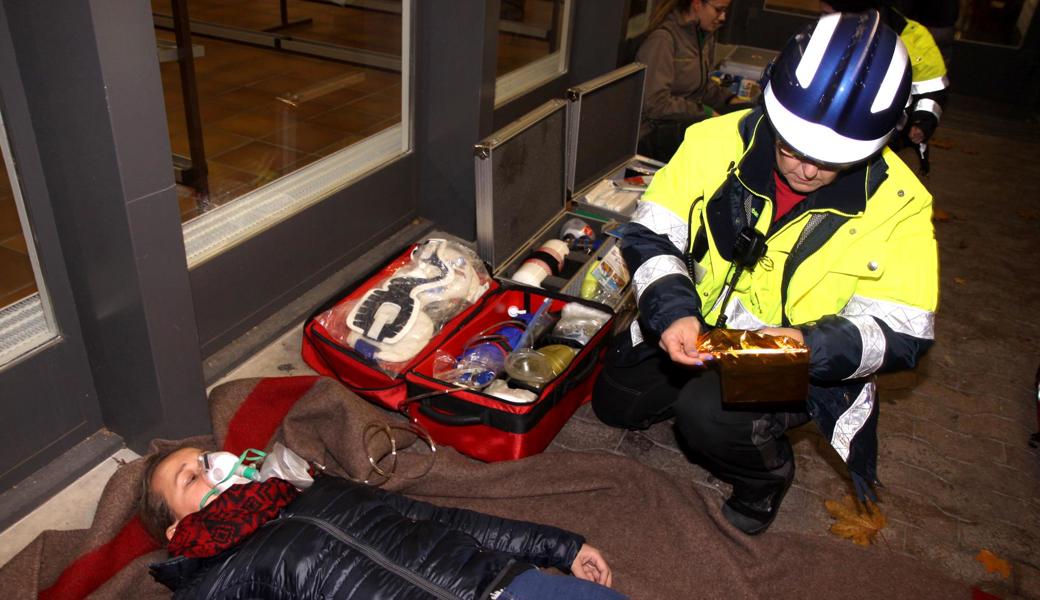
(680, 342)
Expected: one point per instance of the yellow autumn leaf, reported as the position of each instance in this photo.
(993, 563)
(854, 521)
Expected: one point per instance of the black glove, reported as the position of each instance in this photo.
(926, 122)
(864, 490)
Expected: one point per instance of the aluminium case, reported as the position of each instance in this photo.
(520, 178)
(603, 117)
(521, 197)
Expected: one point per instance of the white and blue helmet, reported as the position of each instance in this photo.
(837, 90)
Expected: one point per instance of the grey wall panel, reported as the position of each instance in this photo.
(599, 26)
(239, 288)
(47, 399)
(92, 82)
(132, 84)
(36, 428)
(454, 102)
(555, 89)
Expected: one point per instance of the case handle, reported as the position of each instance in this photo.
(452, 419)
(581, 371)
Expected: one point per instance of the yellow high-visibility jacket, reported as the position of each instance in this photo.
(853, 265)
(929, 83)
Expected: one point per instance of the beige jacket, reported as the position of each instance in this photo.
(677, 74)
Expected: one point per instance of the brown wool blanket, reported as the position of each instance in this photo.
(663, 539)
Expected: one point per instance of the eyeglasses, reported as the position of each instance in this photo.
(720, 10)
(784, 149)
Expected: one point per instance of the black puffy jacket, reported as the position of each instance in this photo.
(341, 540)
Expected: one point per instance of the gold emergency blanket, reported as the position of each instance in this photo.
(758, 369)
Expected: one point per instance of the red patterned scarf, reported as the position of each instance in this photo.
(235, 515)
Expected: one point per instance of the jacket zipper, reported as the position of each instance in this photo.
(376, 556)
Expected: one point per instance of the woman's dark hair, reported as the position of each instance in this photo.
(665, 8)
(152, 509)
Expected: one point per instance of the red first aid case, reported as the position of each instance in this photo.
(522, 205)
(475, 423)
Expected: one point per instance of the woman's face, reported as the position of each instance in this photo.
(180, 481)
(710, 14)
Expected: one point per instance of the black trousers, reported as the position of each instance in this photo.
(746, 448)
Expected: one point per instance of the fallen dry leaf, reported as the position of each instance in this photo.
(1030, 215)
(940, 215)
(855, 521)
(960, 280)
(993, 563)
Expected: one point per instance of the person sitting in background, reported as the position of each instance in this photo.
(929, 84)
(344, 540)
(679, 54)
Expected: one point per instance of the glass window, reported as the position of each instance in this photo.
(25, 318)
(16, 273)
(1003, 22)
(533, 41)
(282, 103)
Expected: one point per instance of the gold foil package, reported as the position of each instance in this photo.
(758, 369)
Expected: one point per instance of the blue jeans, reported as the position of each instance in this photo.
(537, 585)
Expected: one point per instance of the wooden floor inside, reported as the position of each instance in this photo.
(251, 135)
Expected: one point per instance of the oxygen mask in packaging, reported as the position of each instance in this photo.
(538, 367)
(223, 469)
(482, 358)
(524, 363)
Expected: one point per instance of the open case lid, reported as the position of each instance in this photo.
(520, 171)
(603, 125)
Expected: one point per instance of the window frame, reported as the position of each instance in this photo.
(225, 227)
(516, 83)
(30, 321)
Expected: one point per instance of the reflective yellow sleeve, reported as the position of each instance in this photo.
(926, 62)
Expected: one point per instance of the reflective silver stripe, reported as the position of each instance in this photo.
(738, 317)
(660, 220)
(929, 85)
(873, 342)
(904, 319)
(853, 419)
(655, 268)
(636, 332)
(928, 105)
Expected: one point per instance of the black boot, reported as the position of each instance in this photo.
(753, 516)
(754, 512)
